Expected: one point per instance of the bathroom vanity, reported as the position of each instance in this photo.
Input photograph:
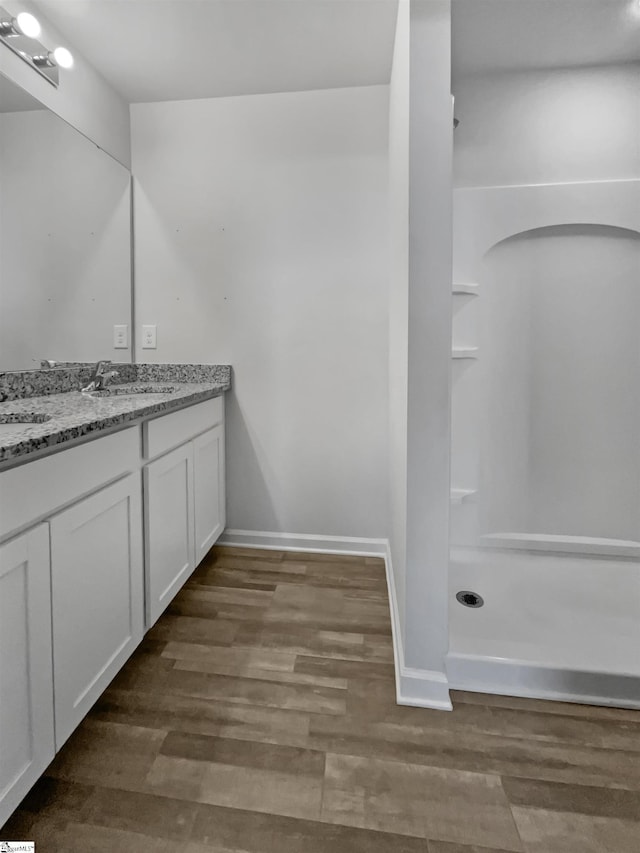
(106, 507)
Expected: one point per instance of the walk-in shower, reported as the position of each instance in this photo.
(545, 518)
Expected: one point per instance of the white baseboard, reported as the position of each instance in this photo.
(523, 678)
(420, 688)
(304, 542)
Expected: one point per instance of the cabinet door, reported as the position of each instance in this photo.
(209, 489)
(169, 539)
(26, 683)
(98, 596)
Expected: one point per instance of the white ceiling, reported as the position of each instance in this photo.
(493, 35)
(157, 50)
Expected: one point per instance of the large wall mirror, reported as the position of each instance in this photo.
(65, 241)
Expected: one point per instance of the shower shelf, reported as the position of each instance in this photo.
(459, 496)
(466, 289)
(464, 352)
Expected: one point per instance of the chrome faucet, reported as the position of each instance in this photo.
(100, 377)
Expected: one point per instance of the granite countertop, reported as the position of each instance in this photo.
(69, 415)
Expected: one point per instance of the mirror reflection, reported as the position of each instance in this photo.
(65, 236)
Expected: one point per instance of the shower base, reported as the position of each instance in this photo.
(552, 626)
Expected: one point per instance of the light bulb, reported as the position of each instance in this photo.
(63, 57)
(28, 25)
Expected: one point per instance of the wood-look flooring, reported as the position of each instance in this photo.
(259, 716)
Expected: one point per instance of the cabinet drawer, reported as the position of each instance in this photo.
(38, 488)
(169, 431)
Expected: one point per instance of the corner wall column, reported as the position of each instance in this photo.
(426, 637)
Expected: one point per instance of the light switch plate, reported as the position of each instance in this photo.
(148, 337)
(120, 337)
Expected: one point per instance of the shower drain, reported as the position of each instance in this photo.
(469, 599)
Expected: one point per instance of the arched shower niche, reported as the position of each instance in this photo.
(545, 518)
(560, 337)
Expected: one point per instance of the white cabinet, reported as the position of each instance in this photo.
(97, 596)
(184, 514)
(72, 575)
(26, 684)
(170, 552)
(209, 489)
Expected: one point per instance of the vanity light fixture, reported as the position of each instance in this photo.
(63, 57)
(59, 57)
(20, 34)
(23, 24)
(44, 61)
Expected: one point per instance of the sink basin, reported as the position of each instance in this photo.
(17, 418)
(11, 422)
(134, 389)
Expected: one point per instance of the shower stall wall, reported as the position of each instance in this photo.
(546, 441)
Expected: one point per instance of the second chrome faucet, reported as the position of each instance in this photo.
(100, 377)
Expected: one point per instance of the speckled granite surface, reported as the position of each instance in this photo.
(70, 414)
(17, 384)
(182, 372)
(14, 385)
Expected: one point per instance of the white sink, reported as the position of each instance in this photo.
(12, 422)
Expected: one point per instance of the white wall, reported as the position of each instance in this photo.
(503, 404)
(560, 125)
(261, 241)
(563, 406)
(399, 301)
(430, 264)
(485, 218)
(65, 229)
(420, 344)
(538, 149)
(83, 97)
